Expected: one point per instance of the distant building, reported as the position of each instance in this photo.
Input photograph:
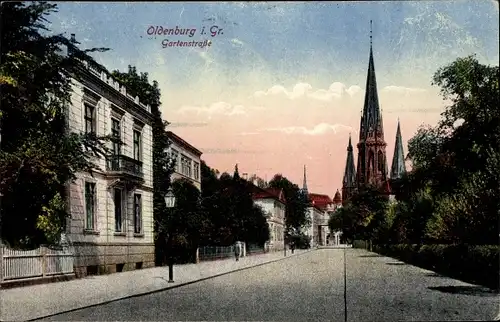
(318, 213)
(111, 224)
(273, 203)
(187, 160)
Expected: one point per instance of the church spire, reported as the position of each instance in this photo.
(349, 182)
(304, 184)
(372, 164)
(371, 120)
(398, 161)
(305, 192)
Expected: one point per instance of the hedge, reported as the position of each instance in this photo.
(478, 264)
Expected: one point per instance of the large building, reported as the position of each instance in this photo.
(111, 224)
(187, 160)
(372, 160)
(273, 203)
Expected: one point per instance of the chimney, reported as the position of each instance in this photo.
(73, 38)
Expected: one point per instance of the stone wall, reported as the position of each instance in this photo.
(91, 259)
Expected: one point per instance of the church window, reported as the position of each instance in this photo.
(380, 161)
(371, 161)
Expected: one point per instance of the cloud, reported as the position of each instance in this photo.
(249, 133)
(402, 90)
(319, 129)
(226, 151)
(336, 90)
(220, 108)
(415, 110)
(237, 42)
(187, 124)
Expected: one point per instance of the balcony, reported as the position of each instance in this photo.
(125, 167)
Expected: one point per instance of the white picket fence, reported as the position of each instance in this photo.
(37, 263)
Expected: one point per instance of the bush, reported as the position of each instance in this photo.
(477, 264)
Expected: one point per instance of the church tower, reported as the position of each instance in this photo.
(372, 161)
(349, 183)
(305, 192)
(398, 167)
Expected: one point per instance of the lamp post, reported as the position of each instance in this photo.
(284, 239)
(170, 203)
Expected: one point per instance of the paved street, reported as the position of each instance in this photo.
(310, 287)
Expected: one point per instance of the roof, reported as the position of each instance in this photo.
(320, 201)
(398, 161)
(338, 197)
(269, 193)
(350, 171)
(180, 141)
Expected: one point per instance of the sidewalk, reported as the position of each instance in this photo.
(39, 301)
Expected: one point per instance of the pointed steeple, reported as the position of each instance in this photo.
(304, 183)
(371, 120)
(304, 190)
(398, 161)
(236, 174)
(350, 171)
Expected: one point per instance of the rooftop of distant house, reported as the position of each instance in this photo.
(269, 193)
(180, 141)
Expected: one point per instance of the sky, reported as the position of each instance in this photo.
(282, 84)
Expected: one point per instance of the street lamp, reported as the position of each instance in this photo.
(170, 203)
(284, 239)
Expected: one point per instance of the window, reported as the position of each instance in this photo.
(118, 210)
(115, 132)
(90, 205)
(186, 166)
(188, 163)
(196, 170)
(137, 213)
(137, 145)
(380, 161)
(90, 119)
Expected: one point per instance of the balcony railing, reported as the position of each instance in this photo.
(125, 165)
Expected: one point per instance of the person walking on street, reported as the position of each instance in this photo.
(292, 246)
(237, 250)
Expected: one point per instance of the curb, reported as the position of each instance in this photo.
(166, 288)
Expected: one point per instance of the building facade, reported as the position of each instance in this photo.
(187, 160)
(272, 201)
(111, 224)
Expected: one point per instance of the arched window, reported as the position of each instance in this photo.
(371, 162)
(380, 161)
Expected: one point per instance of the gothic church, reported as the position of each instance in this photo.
(372, 161)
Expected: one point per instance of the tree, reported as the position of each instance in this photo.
(236, 175)
(296, 206)
(363, 217)
(229, 205)
(452, 194)
(39, 155)
(261, 183)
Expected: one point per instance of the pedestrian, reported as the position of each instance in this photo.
(292, 246)
(237, 250)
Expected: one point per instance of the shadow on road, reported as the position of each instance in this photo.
(374, 255)
(466, 290)
(396, 263)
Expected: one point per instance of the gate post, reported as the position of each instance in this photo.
(44, 260)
